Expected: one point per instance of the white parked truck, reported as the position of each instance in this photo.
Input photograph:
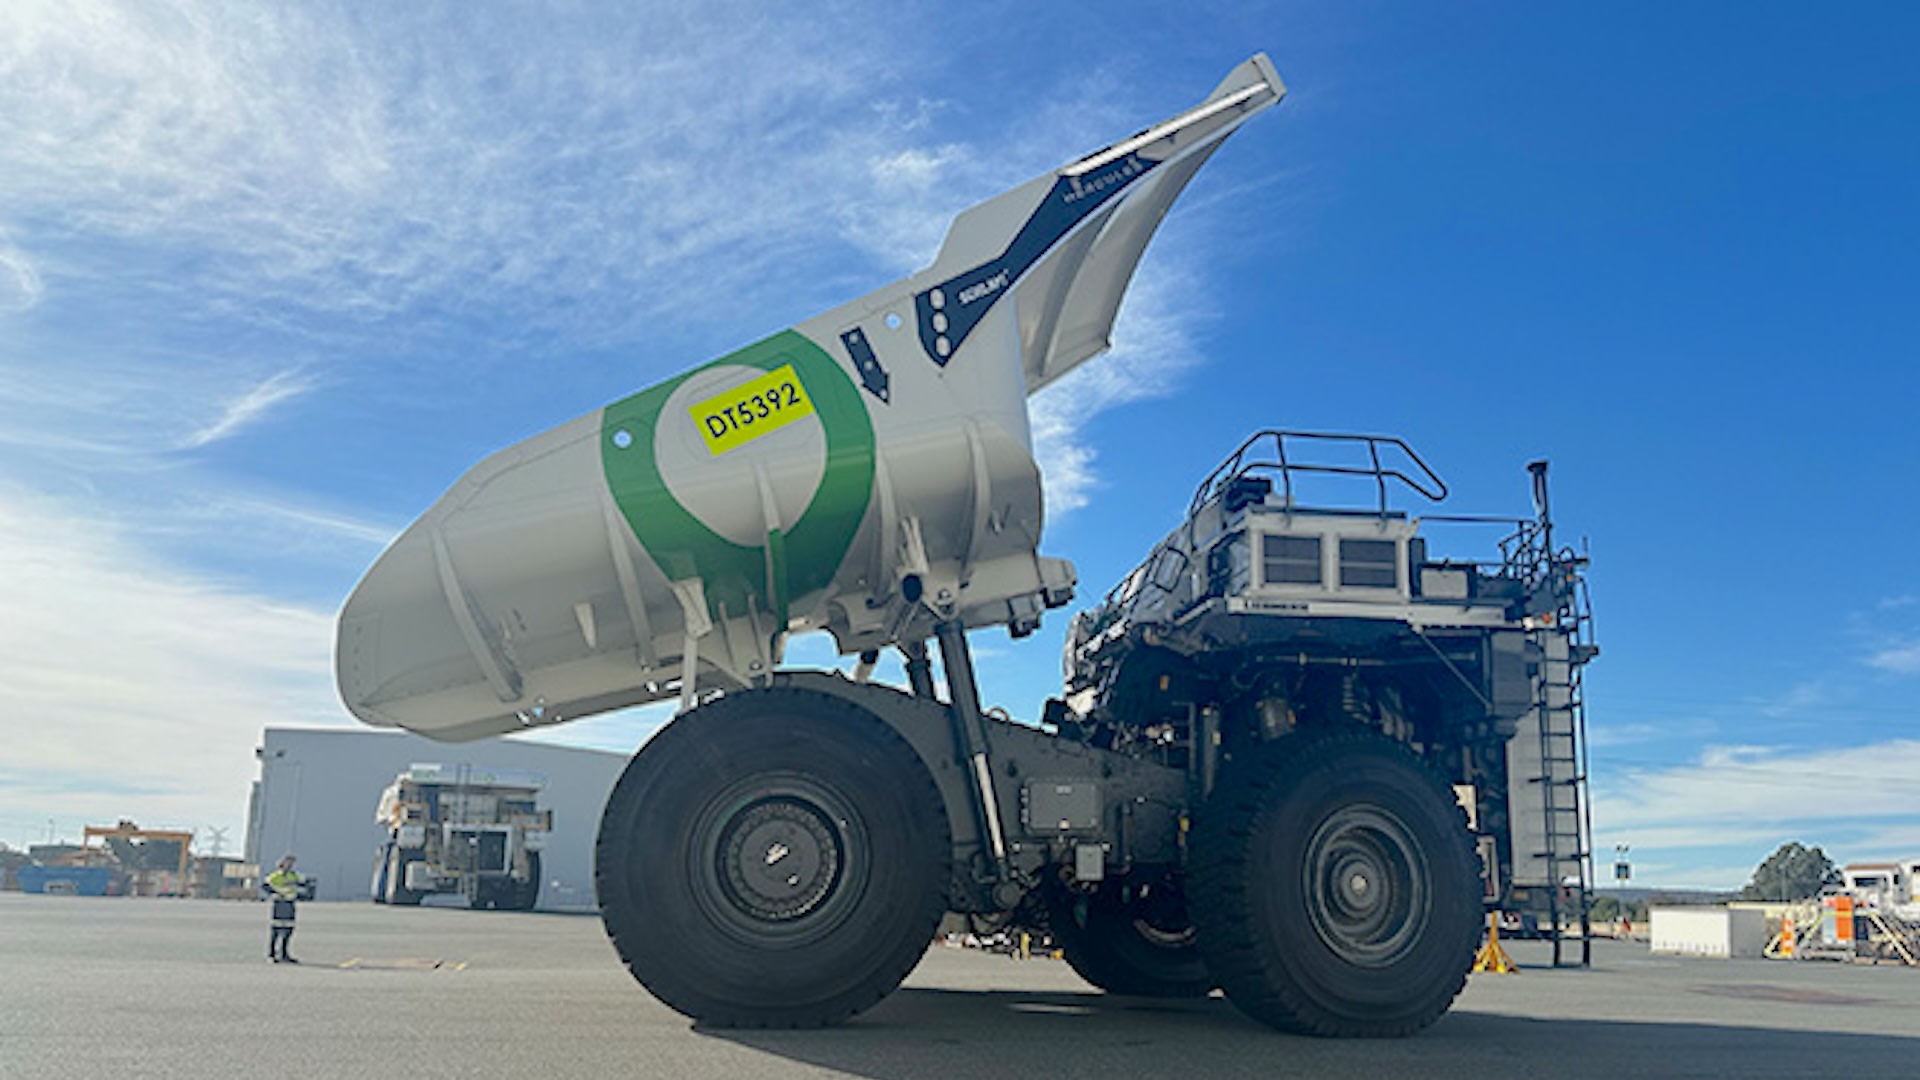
(457, 829)
(1246, 788)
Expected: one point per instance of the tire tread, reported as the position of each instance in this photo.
(1221, 865)
(624, 927)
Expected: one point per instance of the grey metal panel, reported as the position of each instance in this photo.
(1063, 806)
(1443, 583)
(1526, 804)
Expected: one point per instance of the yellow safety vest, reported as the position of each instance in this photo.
(284, 883)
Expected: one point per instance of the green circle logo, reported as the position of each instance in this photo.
(791, 563)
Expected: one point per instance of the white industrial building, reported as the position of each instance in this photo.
(318, 789)
(1718, 932)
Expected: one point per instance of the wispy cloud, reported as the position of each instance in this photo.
(1611, 734)
(1901, 659)
(250, 406)
(1751, 799)
(323, 522)
(396, 160)
(1885, 635)
(1154, 346)
(20, 287)
(1798, 699)
(124, 674)
(130, 409)
(670, 166)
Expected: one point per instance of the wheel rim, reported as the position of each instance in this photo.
(778, 860)
(1366, 886)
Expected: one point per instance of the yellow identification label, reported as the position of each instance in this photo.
(752, 409)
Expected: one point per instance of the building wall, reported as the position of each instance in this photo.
(1718, 932)
(318, 789)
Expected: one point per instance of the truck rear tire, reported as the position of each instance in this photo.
(1335, 888)
(1130, 944)
(778, 858)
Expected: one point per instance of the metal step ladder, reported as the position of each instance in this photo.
(1566, 824)
(1549, 820)
(1550, 826)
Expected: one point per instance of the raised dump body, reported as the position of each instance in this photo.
(868, 472)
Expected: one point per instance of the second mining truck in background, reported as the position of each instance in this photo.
(1206, 809)
(476, 833)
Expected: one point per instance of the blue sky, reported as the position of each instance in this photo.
(272, 277)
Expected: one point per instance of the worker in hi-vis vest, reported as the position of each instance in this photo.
(282, 886)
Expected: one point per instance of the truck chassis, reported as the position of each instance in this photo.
(1281, 768)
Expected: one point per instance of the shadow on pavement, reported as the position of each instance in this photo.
(960, 1035)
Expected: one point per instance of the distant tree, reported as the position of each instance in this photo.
(1795, 872)
(1612, 908)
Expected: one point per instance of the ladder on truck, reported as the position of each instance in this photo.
(1566, 825)
(1551, 823)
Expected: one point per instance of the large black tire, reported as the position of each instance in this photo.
(1130, 938)
(522, 895)
(381, 863)
(397, 892)
(778, 858)
(1335, 887)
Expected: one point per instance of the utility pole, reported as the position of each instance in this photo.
(1623, 873)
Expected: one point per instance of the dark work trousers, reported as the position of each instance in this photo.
(282, 931)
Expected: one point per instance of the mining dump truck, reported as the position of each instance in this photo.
(455, 829)
(1258, 780)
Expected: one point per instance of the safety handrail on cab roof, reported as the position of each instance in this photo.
(1427, 483)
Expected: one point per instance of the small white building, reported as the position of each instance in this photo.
(318, 790)
(1877, 885)
(1716, 932)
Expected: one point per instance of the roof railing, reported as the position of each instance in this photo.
(1250, 459)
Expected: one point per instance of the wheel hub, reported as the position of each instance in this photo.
(779, 859)
(1366, 885)
(1356, 885)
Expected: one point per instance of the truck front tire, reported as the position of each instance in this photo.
(397, 892)
(382, 863)
(522, 895)
(775, 859)
(1334, 886)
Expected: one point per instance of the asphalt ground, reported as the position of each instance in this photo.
(180, 988)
